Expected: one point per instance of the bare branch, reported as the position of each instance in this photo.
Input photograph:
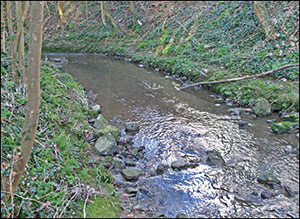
(240, 78)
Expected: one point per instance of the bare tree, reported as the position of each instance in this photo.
(132, 11)
(3, 49)
(103, 13)
(86, 10)
(60, 11)
(112, 20)
(32, 113)
(21, 13)
(263, 18)
(17, 39)
(9, 23)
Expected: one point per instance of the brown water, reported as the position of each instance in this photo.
(176, 124)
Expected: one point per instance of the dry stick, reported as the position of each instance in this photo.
(68, 204)
(29, 199)
(240, 78)
(84, 214)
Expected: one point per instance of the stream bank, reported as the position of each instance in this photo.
(57, 179)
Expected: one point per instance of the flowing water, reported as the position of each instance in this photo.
(177, 124)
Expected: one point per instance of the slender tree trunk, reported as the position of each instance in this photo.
(264, 19)
(132, 11)
(9, 24)
(114, 23)
(21, 10)
(103, 13)
(60, 11)
(32, 113)
(70, 10)
(86, 10)
(2, 27)
(17, 39)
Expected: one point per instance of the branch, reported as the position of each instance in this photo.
(84, 214)
(240, 78)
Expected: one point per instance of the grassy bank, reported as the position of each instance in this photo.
(57, 179)
(206, 46)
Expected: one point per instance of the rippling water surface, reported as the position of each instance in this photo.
(183, 125)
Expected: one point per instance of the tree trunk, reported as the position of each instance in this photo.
(21, 11)
(17, 38)
(264, 19)
(2, 27)
(60, 11)
(103, 13)
(114, 23)
(132, 11)
(32, 113)
(9, 24)
(86, 10)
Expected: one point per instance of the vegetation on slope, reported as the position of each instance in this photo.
(57, 179)
(201, 42)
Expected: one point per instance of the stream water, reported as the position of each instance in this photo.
(181, 125)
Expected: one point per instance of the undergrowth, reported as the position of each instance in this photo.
(54, 181)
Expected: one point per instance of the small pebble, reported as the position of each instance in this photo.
(243, 124)
(288, 149)
(266, 194)
(96, 107)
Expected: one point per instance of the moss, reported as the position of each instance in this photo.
(282, 127)
(108, 129)
(262, 107)
(93, 113)
(109, 158)
(292, 117)
(107, 206)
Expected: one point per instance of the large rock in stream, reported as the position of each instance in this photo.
(107, 129)
(179, 165)
(215, 158)
(106, 144)
(268, 178)
(283, 127)
(262, 107)
(132, 174)
(132, 126)
(101, 122)
(291, 117)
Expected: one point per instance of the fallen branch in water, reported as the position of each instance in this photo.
(240, 78)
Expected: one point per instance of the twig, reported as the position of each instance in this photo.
(12, 124)
(240, 78)
(5, 208)
(29, 199)
(68, 203)
(84, 214)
